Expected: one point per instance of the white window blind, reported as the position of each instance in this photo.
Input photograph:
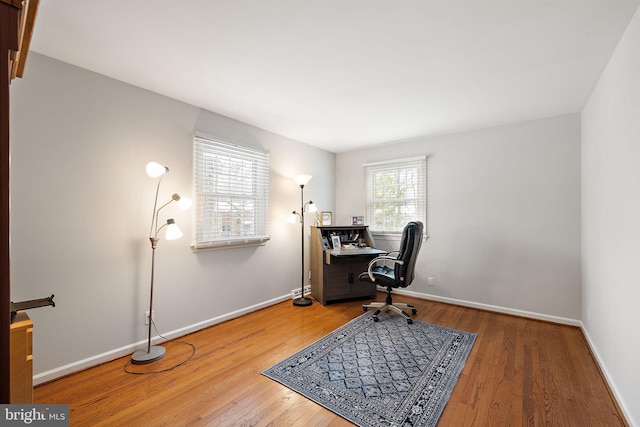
(232, 194)
(395, 194)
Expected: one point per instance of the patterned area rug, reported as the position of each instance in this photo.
(385, 373)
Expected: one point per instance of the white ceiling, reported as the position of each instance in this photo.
(342, 74)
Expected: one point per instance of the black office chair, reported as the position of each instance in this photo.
(398, 275)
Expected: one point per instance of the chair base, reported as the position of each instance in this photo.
(396, 307)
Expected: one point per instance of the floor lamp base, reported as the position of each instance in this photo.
(141, 357)
(302, 301)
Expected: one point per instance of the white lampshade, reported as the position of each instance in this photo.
(293, 217)
(154, 169)
(184, 203)
(302, 179)
(173, 232)
(312, 207)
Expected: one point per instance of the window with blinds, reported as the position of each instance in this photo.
(232, 194)
(395, 194)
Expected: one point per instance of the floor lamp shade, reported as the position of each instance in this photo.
(173, 231)
(302, 179)
(154, 170)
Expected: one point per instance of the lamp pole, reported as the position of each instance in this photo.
(157, 352)
(302, 301)
(154, 244)
(155, 170)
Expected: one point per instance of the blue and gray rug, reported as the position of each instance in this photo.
(385, 373)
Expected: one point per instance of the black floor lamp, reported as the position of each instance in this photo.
(302, 180)
(156, 170)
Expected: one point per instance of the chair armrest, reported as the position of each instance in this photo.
(376, 260)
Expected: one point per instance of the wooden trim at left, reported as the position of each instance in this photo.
(27, 22)
(9, 16)
(15, 3)
(27, 10)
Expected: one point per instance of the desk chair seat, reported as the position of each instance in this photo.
(395, 272)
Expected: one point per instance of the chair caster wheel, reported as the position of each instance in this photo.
(375, 319)
(365, 308)
(409, 321)
(414, 311)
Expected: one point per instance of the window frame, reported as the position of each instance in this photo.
(221, 192)
(419, 163)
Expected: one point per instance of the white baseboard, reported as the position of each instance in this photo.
(612, 385)
(92, 361)
(488, 307)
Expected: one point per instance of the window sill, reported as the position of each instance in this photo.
(229, 244)
(391, 237)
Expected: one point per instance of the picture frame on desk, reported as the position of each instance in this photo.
(335, 241)
(326, 218)
(357, 220)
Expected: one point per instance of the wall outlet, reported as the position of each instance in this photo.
(430, 281)
(295, 293)
(146, 316)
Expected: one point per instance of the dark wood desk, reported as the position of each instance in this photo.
(368, 253)
(334, 272)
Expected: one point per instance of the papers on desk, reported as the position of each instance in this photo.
(355, 247)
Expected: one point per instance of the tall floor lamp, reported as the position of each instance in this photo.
(302, 180)
(156, 170)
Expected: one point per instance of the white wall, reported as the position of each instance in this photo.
(611, 219)
(503, 215)
(81, 207)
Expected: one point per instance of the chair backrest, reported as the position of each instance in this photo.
(409, 248)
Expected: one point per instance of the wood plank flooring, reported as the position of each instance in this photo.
(521, 372)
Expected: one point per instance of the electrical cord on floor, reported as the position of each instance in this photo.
(193, 352)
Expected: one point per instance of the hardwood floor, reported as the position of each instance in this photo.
(521, 372)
